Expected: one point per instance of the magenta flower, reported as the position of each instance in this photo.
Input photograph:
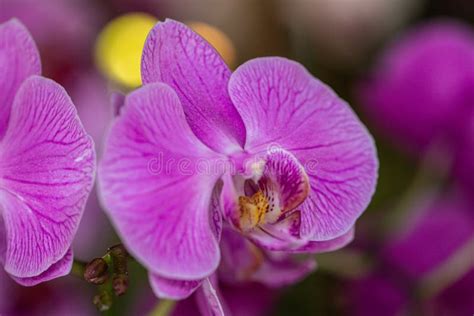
(56, 298)
(268, 152)
(64, 30)
(434, 243)
(47, 164)
(421, 90)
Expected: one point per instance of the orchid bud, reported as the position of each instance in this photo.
(96, 271)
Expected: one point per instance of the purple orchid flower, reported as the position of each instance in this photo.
(268, 152)
(421, 90)
(64, 30)
(47, 164)
(421, 94)
(435, 242)
(56, 298)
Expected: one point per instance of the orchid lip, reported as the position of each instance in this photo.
(269, 190)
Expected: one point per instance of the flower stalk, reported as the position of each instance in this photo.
(163, 308)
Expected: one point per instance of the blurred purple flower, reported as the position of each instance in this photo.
(422, 89)
(423, 249)
(90, 95)
(423, 86)
(421, 94)
(47, 164)
(464, 166)
(292, 163)
(375, 295)
(63, 29)
(66, 296)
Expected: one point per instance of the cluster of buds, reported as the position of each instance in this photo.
(110, 274)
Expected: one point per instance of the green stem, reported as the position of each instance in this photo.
(345, 263)
(163, 308)
(454, 268)
(78, 268)
(425, 181)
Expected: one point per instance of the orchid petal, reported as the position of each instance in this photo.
(173, 289)
(281, 236)
(240, 258)
(243, 261)
(19, 59)
(177, 56)
(327, 245)
(282, 105)
(284, 181)
(278, 271)
(152, 188)
(118, 100)
(58, 269)
(47, 168)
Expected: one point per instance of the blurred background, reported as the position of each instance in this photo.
(405, 66)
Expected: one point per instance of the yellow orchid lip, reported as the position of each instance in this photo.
(252, 210)
(119, 48)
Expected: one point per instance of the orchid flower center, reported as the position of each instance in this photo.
(252, 210)
(269, 191)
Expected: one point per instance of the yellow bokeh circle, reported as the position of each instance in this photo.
(119, 48)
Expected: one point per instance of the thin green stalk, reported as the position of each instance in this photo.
(429, 179)
(163, 308)
(78, 268)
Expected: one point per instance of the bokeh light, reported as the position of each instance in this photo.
(119, 48)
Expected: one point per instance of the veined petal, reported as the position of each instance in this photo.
(240, 258)
(47, 169)
(281, 236)
(282, 105)
(19, 59)
(285, 236)
(173, 289)
(157, 189)
(284, 183)
(242, 261)
(177, 56)
(327, 245)
(59, 269)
